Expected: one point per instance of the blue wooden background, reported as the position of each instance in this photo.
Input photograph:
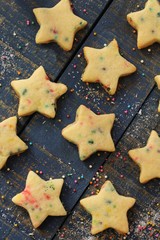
(135, 105)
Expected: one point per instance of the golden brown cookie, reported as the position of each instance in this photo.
(38, 94)
(41, 198)
(106, 66)
(147, 24)
(90, 132)
(58, 24)
(157, 79)
(108, 209)
(10, 143)
(148, 158)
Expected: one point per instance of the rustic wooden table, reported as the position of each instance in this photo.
(135, 105)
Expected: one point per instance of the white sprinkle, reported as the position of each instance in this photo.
(140, 112)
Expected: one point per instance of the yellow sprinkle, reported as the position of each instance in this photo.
(8, 182)
(15, 224)
(94, 33)
(37, 171)
(59, 120)
(2, 196)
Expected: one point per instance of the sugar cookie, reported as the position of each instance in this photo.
(10, 143)
(90, 132)
(58, 24)
(41, 198)
(157, 79)
(38, 93)
(147, 24)
(108, 209)
(106, 66)
(148, 158)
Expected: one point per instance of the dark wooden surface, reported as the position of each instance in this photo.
(54, 155)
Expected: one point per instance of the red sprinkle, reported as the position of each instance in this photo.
(47, 196)
(28, 22)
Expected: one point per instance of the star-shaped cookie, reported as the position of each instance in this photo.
(148, 158)
(157, 79)
(38, 93)
(90, 132)
(41, 198)
(10, 143)
(58, 24)
(147, 24)
(108, 209)
(106, 66)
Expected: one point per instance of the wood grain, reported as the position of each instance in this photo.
(20, 54)
(57, 157)
(124, 174)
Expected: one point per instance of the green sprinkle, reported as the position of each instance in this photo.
(80, 23)
(50, 205)
(91, 142)
(56, 37)
(158, 14)
(93, 131)
(24, 91)
(114, 206)
(101, 58)
(82, 157)
(69, 174)
(95, 222)
(52, 186)
(47, 91)
(46, 106)
(108, 201)
(151, 9)
(37, 216)
(66, 39)
(142, 19)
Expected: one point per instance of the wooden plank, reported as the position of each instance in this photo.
(124, 174)
(57, 157)
(19, 53)
(14, 15)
